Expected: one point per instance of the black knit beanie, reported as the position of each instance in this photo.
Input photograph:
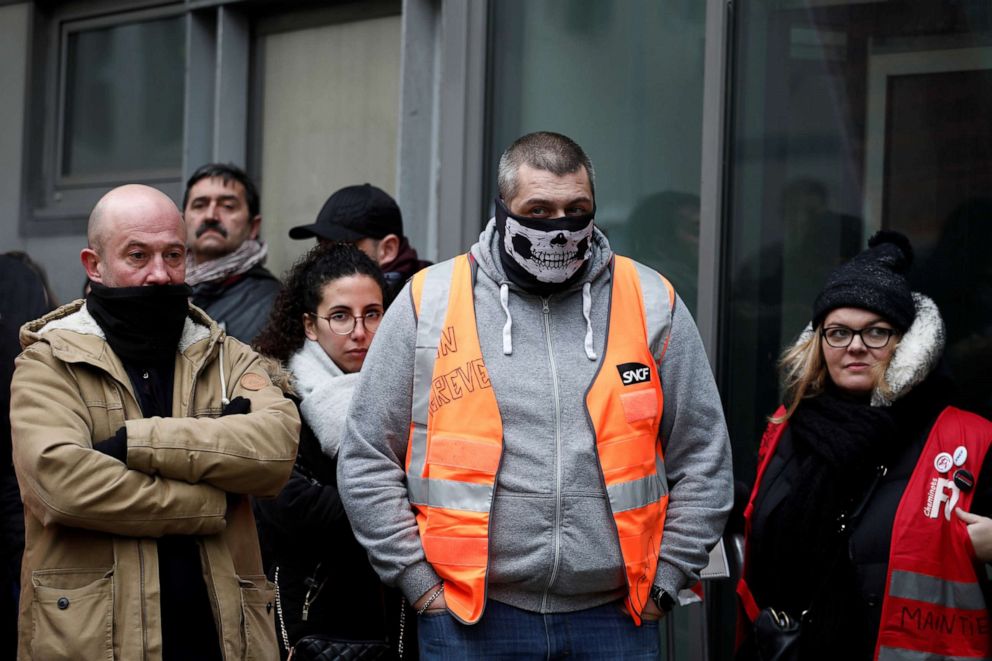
(872, 280)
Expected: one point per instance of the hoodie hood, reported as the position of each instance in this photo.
(75, 337)
(486, 255)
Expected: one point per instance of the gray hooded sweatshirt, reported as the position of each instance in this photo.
(553, 544)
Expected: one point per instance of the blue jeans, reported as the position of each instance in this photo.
(505, 632)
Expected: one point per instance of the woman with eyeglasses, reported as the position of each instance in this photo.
(867, 533)
(320, 329)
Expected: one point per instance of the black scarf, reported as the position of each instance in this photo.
(839, 442)
(143, 324)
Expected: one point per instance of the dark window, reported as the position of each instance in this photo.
(123, 101)
(849, 117)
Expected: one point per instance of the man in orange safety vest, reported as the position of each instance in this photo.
(536, 452)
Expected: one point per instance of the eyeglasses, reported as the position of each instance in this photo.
(342, 323)
(873, 337)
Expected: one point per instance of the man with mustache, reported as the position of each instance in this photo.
(225, 260)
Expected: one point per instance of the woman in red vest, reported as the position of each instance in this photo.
(868, 523)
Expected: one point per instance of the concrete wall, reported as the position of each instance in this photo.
(330, 106)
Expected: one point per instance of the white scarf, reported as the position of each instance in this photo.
(325, 392)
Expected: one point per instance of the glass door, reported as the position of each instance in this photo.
(849, 117)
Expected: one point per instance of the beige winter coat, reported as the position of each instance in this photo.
(89, 580)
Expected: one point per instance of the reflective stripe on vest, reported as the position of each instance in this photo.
(455, 443)
(892, 654)
(933, 590)
(934, 607)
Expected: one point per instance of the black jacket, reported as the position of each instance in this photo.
(22, 298)
(305, 533)
(241, 303)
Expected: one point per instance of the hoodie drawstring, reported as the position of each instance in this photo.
(586, 308)
(504, 299)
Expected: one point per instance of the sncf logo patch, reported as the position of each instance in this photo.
(631, 373)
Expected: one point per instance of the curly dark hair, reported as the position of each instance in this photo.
(283, 334)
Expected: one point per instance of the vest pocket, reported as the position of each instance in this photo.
(639, 405)
(258, 600)
(72, 614)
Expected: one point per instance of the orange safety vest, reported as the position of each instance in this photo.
(934, 607)
(456, 433)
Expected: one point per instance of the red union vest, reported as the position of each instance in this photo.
(456, 433)
(934, 607)
(933, 602)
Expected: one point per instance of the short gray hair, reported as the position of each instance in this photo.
(543, 150)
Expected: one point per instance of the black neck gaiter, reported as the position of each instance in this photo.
(143, 324)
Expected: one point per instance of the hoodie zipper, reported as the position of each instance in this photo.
(554, 379)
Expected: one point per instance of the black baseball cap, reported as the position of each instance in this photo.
(354, 213)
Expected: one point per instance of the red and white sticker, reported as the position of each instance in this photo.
(943, 462)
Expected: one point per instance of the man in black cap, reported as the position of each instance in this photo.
(369, 218)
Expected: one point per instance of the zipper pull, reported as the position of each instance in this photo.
(308, 599)
(546, 308)
(311, 584)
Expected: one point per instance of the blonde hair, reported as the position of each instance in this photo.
(803, 372)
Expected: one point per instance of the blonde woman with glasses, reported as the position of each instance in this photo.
(867, 531)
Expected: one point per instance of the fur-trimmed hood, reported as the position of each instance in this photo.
(74, 317)
(917, 355)
(75, 337)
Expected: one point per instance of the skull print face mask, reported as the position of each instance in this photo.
(539, 254)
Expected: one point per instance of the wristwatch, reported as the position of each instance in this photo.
(664, 601)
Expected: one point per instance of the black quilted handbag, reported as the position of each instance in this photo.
(776, 635)
(325, 648)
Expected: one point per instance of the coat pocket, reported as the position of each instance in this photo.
(258, 601)
(72, 614)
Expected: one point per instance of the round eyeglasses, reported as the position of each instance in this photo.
(873, 337)
(342, 323)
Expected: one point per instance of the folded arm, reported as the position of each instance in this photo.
(250, 453)
(64, 481)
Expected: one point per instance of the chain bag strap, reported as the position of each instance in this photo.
(320, 647)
